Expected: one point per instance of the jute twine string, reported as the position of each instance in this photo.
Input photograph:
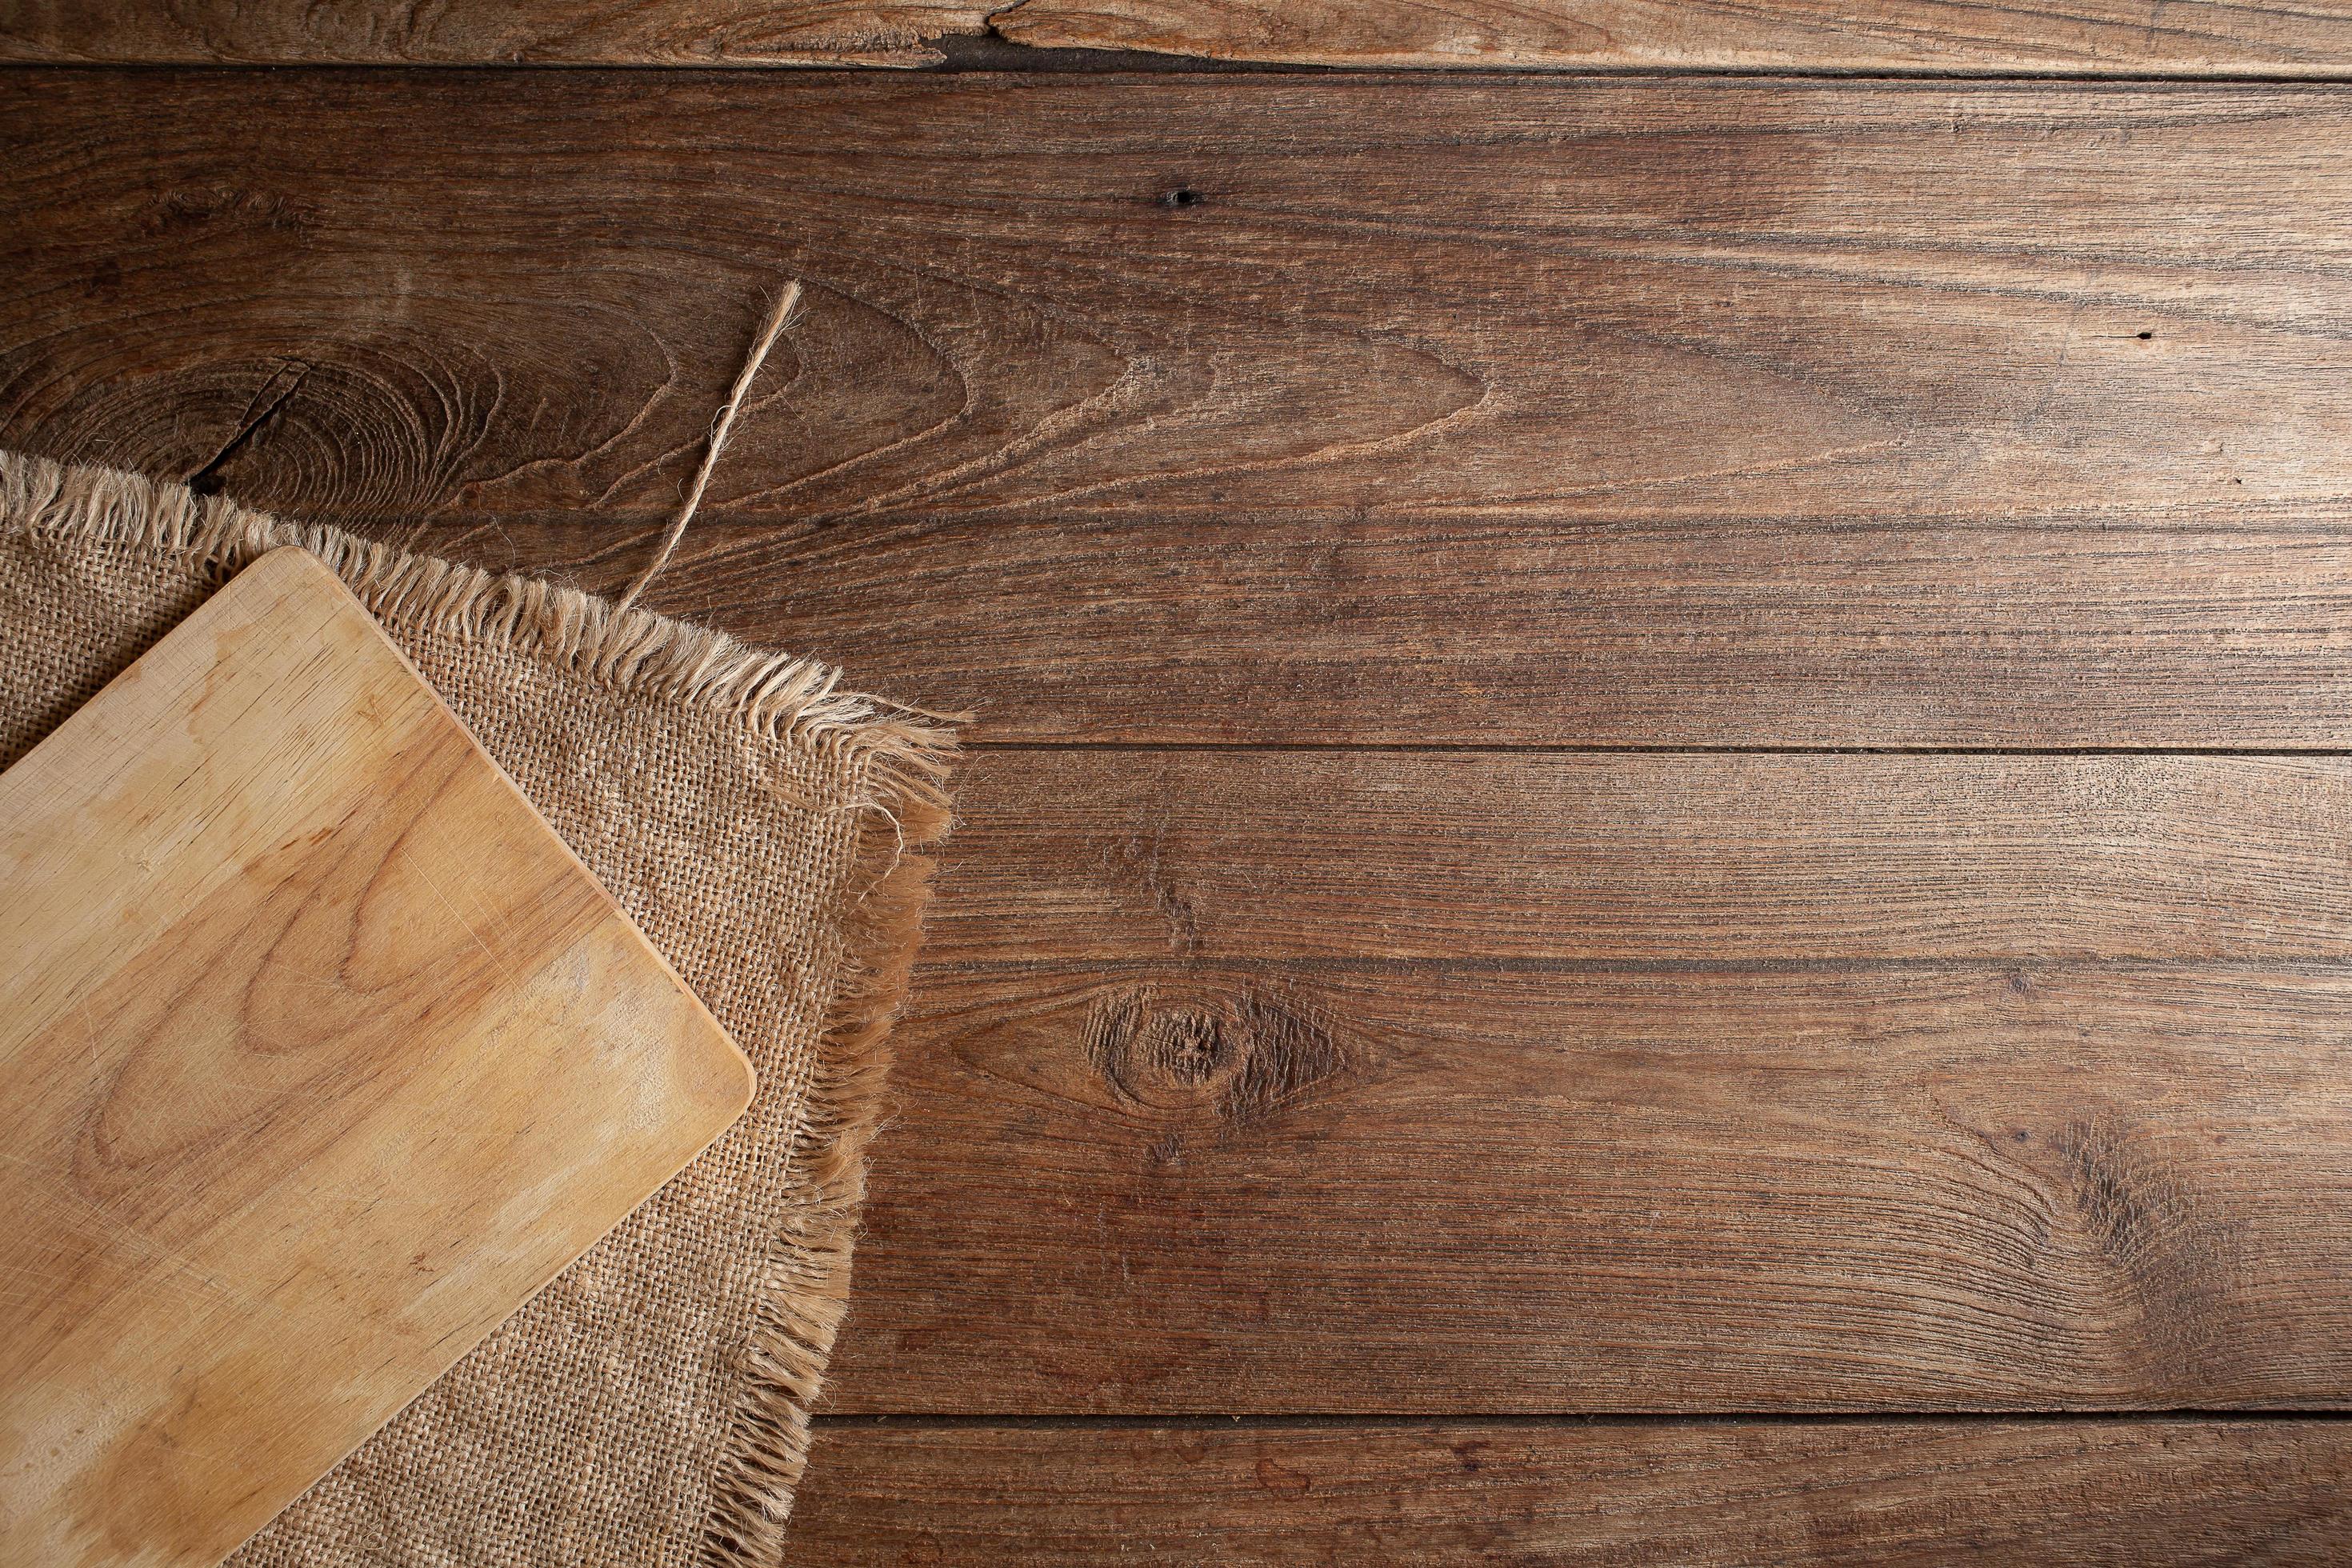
(771, 330)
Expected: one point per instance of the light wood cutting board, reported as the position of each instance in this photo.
(320, 1053)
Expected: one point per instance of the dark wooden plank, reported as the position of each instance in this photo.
(1410, 855)
(514, 32)
(2160, 1494)
(372, 296)
(2085, 35)
(1725, 413)
(1630, 1081)
(1609, 412)
(1951, 633)
(1317, 1186)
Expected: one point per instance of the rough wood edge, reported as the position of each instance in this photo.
(891, 34)
(899, 758)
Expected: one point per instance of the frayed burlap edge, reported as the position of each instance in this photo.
(900, 756)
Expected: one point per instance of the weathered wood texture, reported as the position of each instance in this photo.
(1308, 1081)
(2158, 1493)
(320, 1053)
(495, 33)
(1392, 297)
(1486, 412)
(1498, 413)
(1435, 855)
(1956, 632)
(2074, 36)
(2085, 35)
(1327, 1187)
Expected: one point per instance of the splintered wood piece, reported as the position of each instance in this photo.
(321, 1053)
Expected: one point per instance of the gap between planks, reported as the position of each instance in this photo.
(1604, 748)
(1344, 1421)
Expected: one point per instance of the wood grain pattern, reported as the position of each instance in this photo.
(1431, 1080)
(322, 1052)
(494, 33)
(1956, 633)
(2072, 36)
(1435, 412)
(1744, 414)
(376, 297)
(2091, 37)
(1452, 1187)
(2158, 1493)
(1256, 855)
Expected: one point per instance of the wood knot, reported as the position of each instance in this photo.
(189, 209)
(1239, 1059)
(2175, 1261)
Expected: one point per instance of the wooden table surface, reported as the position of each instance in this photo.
(1658, 864)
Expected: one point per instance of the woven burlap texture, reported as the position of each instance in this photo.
(647, 1409)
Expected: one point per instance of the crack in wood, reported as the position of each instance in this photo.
(259, 410)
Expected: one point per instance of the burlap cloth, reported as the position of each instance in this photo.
(648, 1409)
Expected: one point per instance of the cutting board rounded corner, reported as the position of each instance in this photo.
(290, 569)
(373, 1054)
(281, 560)
(746, 1087)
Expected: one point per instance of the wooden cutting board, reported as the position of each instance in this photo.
(320, 1053)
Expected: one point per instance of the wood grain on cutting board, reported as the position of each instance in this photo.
(322, 1054)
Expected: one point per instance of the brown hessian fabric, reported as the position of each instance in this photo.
(649, 1408)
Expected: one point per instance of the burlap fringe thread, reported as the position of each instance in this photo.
(902, 754)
